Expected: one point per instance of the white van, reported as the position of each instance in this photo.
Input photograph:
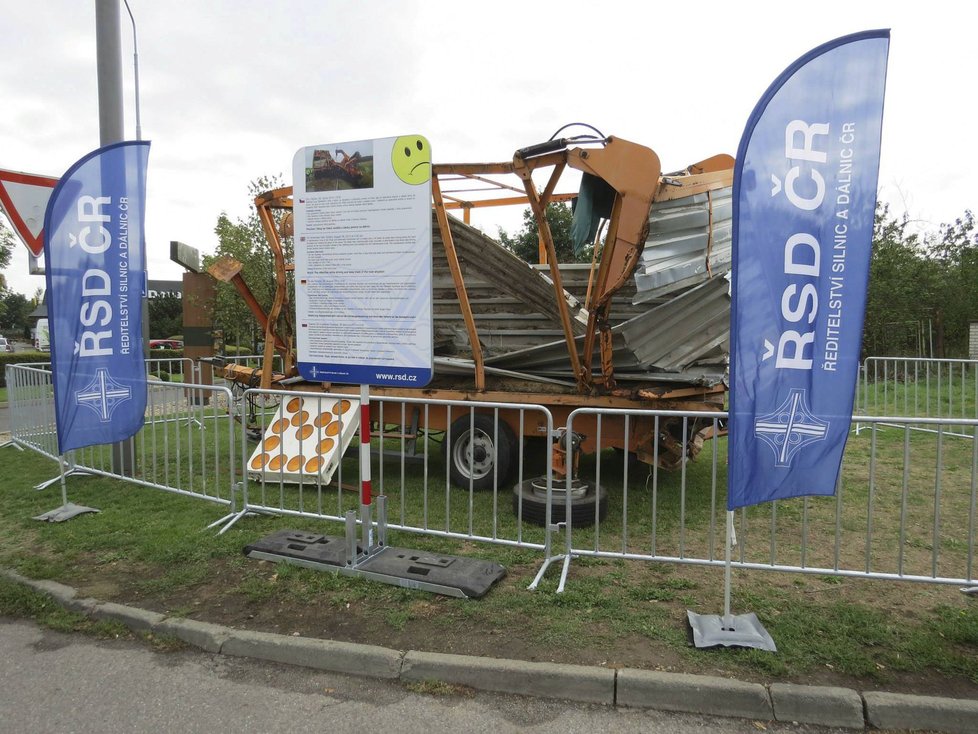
(42, 338)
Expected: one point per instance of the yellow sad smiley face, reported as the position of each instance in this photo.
(411, 159)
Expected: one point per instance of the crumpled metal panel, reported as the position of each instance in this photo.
(689, 334)
(684, 331)
(675, 254)
(513, 304)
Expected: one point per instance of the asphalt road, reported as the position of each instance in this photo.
(52, 682)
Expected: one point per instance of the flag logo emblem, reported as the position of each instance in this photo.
(790, 428)
(103, 395)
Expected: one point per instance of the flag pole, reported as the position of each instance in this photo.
(727, 582)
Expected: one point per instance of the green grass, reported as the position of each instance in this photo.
(942, 391)
(149, 546)
(22, 602)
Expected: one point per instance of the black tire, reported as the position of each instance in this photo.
(491, 463)
(584, 508)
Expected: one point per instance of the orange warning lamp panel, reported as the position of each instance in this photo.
(305, 440)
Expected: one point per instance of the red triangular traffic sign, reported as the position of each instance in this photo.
(24, 199)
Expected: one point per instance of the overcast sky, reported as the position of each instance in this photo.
(230, 89)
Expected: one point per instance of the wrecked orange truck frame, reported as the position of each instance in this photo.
(633, 177)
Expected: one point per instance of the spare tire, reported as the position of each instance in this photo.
(586, 502)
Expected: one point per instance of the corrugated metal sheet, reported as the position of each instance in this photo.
(575, 278)
(670, 324)
(685, 331)
(513, 305)
(675, 254)
(688, 335)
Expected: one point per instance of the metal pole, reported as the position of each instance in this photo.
(135, 71)
(727, 581)
(366, 510)
(108, 41)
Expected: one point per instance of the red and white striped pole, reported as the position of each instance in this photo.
(365, 489)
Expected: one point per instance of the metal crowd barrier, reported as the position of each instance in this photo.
(410, 465)
(186, 446)
(30, 397)
(917, 388)
(904, 508)
(182, 366)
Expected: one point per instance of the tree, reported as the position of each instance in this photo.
(895, 299)
(244, 240)
(7, 243)
(6, 250)
(927, 279)
(165, 316)
(525, 243)
(14, 312)
(954, 252)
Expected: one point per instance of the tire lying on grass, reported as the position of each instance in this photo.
(586, 502)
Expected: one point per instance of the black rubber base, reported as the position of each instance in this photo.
(451, 575)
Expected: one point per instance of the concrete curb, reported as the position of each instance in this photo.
(544, 680)
(825, 705)
(338, 657)
(704, 695)
(208, 637)
(700, 694)
(133, 618)
(902, 711)
(66, 596)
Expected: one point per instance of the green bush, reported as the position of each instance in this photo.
(165, 354)
(163, 375)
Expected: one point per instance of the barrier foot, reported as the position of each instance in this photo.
(47, 483)
(65, 512)
(11, 442)
(543, 570)
(563, 573)
(227, 521)
(352, 550)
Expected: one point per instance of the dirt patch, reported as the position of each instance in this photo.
(261, 596)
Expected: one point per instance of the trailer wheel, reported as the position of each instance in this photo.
(586, 504)
(474, 455)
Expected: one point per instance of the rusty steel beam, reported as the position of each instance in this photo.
(526, 172)
(264, 204)
(463, 296)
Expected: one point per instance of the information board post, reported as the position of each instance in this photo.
(366, 510)
(363, 272)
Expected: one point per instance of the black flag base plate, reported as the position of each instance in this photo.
(464, 578)
(65, 512)
(734, 630)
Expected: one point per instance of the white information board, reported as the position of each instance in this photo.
(362, 214)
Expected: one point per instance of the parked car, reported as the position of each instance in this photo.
(5, 346)
(165, 344)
